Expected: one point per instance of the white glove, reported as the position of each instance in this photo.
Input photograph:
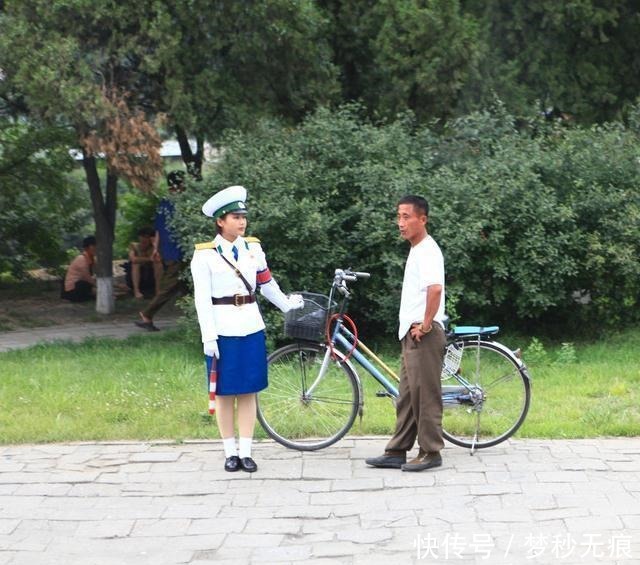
(295, 301)
(211, 348)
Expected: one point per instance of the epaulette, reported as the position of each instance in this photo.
(205, 245)
(252, 239)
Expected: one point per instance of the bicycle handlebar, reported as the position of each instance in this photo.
(348, 275)
(361, 275)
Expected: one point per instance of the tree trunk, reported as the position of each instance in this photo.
(105, 302)
(193, 161)
(104, 214)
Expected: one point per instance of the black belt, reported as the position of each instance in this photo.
(235, 300)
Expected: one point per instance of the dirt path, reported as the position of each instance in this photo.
(35, 304)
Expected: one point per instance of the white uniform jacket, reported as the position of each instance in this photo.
(213, 277)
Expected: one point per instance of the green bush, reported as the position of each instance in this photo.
(321, 196)
(535, 353)
(566, 354)
(135, 211)
(529, 219)
(596, 173)
(506, 237)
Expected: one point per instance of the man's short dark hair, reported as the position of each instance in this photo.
(146, 230)
(419, 203)
(88, 241)
(175, 180)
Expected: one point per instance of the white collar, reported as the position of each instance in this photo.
(225, 244)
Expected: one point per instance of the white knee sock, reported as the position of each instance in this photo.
(245, 446)
(229, 447)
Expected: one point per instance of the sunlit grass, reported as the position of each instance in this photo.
(142, 388)
(152, 387)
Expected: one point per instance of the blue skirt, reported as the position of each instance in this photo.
(242, 366)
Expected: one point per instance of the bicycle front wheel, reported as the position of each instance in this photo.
(301, 409)
(487, 398)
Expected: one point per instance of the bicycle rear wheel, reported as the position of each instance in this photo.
(304, 419)
(487, 398)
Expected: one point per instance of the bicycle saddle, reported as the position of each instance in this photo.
(476, 330)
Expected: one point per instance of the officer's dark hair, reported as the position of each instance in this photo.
(419, 203)
(218, 228)
(175, 180)
(88, 241)
(146, 230)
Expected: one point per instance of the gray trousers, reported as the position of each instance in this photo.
(419, 406)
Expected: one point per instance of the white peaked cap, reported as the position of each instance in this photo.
(230, 199)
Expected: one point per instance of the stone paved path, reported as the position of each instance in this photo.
(20, 339)
(525, 501)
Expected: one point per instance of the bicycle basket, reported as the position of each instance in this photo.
(452, 359)
(310, 321)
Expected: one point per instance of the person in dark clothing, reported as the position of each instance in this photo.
(165, 246)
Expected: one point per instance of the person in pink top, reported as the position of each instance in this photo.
(79, 281)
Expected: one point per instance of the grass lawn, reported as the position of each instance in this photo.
(152, 387)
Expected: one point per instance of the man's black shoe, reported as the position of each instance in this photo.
(232, 464)
(424, 462)
(248, 465)
(387, 461)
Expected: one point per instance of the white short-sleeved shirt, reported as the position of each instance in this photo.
(424, 267)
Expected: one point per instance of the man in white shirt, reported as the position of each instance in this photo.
(421, 333)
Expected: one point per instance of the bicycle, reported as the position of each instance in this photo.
(315, 392)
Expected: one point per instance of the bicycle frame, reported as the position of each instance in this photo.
(344, 337)
(451, 395)
(466, 393)
(347, 342)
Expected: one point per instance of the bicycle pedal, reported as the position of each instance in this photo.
(383, 394)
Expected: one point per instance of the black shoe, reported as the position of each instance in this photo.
(423, 462)
(232, 464)
(387, 461)
(149, 326)
(249, 465)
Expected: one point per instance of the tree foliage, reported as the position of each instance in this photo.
(77, 65)
(424, 53)
(228, 63)
(580, 57)
(129, 143)
(105, 71)
(37, 205)
(448, 58)
(407, 54)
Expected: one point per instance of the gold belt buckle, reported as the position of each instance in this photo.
(238, 300)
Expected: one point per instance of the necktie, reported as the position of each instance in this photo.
(234, 249)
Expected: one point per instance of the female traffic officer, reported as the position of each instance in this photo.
(226, 273)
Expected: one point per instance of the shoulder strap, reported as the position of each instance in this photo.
(251, 239)
(205, 245)
(237, 271)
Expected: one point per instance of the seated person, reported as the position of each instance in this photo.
(144, 268)
(79, 281)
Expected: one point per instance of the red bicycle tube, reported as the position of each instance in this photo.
(354, 331)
